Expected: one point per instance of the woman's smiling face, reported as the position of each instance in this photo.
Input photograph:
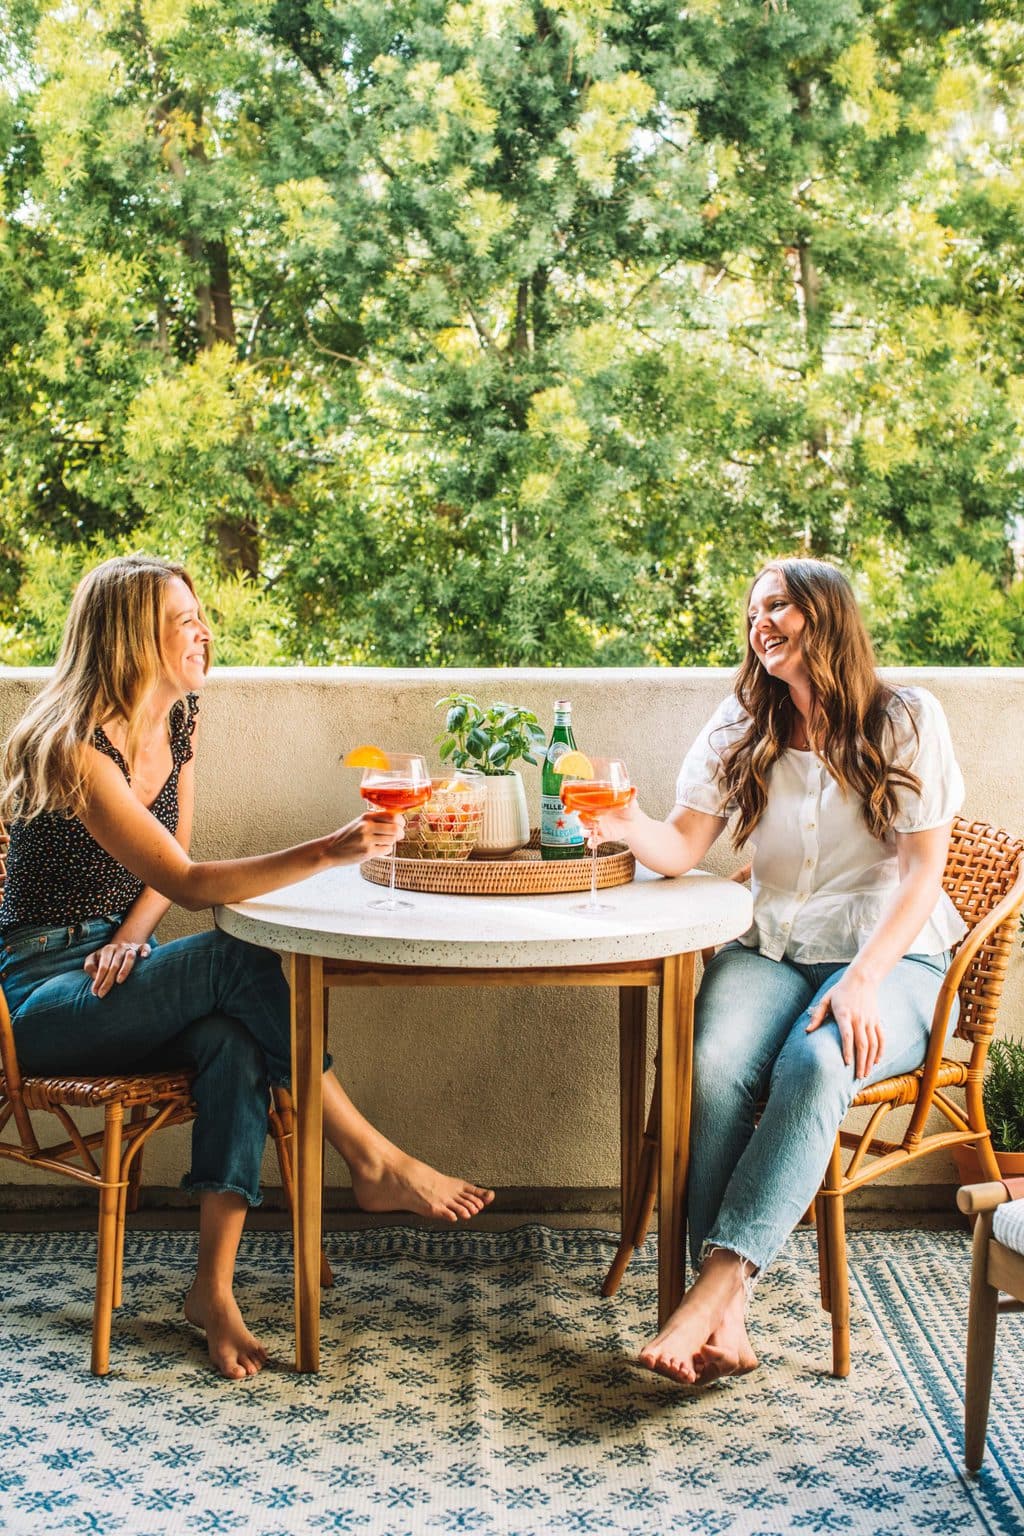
(776, 625)
(184, 638)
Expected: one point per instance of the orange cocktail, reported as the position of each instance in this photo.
(591, 798)
(396, 798)
(593, 786)
(392, 782)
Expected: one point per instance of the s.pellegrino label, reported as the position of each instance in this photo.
(561, 833)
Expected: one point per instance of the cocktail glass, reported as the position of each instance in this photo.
(402, 786)
(607, 789)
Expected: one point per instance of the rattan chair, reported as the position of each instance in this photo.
(135, 1107)
(997, 1265)
(984, 877)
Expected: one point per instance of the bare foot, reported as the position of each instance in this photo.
(391, 1180)
(676, 1352)
(233, 1350)
(728, 1351)
(706, 1336)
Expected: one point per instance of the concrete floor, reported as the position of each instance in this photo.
(500, 1220)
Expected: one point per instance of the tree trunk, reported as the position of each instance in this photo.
(539, 285)
(238, 545)
(521, 339)
(237, 537)
(220, 291)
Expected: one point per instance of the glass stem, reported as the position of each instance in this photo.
(593, 869)
(391, 887)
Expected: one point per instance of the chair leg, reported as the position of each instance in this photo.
(839, 1283)
(106, 1239)
(981, 1346)
(123, 1198)
(138, 1114)
(282, 1125)
(824, 1279)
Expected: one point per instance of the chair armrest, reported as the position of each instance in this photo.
(1004, 913)
(972, 1199)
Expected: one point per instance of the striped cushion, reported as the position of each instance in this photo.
(1008, 1225)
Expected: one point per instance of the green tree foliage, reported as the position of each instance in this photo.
(490, 331)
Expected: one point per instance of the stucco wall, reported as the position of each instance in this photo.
(513, 1088)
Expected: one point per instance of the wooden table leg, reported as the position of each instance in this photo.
(676, 1081)
(307, 986)
(632, 1091)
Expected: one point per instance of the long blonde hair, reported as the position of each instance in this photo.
(852, 709)
(109, 664)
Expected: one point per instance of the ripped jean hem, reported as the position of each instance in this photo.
(203, 1186)
(750, 1278)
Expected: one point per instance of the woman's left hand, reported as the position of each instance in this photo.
(113, 963)
(853, 1004)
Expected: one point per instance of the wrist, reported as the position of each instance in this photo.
(864, 972)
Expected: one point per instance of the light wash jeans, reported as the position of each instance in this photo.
(748, 1188)
(208, 1002)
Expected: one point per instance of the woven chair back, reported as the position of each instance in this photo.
(982, 867)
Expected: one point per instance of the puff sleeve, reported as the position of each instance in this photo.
(922, 743)
(699, 785)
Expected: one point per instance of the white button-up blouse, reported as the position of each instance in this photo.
(819, 879)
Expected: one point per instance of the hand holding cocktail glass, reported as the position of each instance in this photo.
(392, 782)
(593, 787)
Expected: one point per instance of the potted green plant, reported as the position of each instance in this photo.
(1003, 1097)
(491, 739)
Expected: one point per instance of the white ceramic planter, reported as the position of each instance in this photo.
(506, 823)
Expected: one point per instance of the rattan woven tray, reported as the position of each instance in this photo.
(523, 873)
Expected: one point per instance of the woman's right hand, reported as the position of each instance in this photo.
(613, 825)
(112, 964)
(370, 836)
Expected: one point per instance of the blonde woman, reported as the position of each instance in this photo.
(98, 793)
(846, 790)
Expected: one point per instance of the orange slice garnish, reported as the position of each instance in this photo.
(576, 764)
(365, 757)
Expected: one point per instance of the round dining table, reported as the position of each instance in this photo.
(648, 936)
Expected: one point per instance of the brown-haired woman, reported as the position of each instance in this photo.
(846, 790)
(99, 791)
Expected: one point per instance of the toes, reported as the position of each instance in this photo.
(465, 1203)
(230, 1366)
(676, 1370)
(675, 1367)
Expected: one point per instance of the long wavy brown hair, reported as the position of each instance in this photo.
(850, 727)
(109, 664)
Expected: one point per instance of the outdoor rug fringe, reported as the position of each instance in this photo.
(477, 1382)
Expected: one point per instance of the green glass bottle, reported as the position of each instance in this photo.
(561, 834)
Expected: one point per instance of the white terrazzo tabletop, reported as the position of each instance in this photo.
(329, 915)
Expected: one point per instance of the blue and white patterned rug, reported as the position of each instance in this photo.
(477, 1382)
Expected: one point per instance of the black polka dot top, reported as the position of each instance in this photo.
(58, 874)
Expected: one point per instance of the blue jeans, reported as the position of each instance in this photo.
(748, 1188)
(207, 1002)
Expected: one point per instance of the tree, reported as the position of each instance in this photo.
(495, 332)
